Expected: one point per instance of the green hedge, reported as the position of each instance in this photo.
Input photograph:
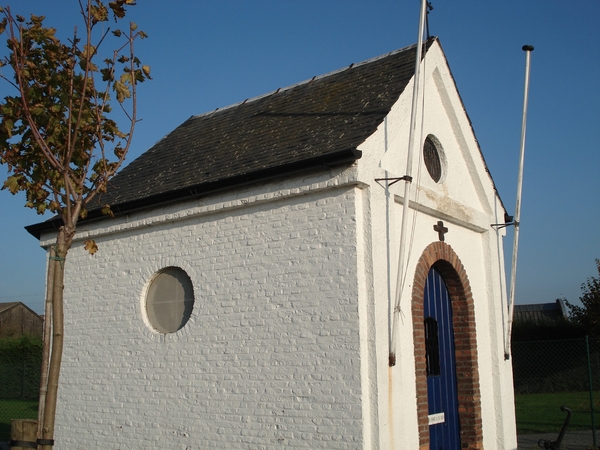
(20, 367)
(555, 366)
(524, 331)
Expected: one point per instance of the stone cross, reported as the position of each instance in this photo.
(441, 229)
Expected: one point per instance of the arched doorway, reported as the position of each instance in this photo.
(442, 258)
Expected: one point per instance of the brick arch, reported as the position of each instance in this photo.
(441, 256)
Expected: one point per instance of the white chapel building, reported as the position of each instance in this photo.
(244, 294)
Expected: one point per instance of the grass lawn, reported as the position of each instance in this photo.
(15, 409)
(541, 412)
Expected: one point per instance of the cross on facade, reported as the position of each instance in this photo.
(441, 229)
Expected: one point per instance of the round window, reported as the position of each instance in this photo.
(170, 300)
(434, 158)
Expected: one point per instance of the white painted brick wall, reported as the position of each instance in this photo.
(269, 359)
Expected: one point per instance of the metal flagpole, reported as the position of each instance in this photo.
(407, 181)
(513, 275)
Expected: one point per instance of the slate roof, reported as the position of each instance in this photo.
(541, 312)
(5, 306)
(314, 123)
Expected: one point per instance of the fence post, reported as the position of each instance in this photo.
(23, 434)
(23, 381)
(589, 361)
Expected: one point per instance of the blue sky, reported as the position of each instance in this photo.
(206, 55)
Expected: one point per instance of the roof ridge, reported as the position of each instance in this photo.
(301, 83)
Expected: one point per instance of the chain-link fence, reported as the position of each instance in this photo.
(548, 374)
(556, 366)
(20, 366)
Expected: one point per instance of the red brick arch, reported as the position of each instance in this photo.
(441, 256)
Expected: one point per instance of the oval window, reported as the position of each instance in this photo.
(170, 300)
(433, 158)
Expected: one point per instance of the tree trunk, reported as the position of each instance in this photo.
(47, 338)
(63, 244)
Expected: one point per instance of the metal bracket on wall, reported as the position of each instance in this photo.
(396, 179)
(508, 221)
(497, 226)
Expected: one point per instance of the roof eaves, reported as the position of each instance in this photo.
(348, 156)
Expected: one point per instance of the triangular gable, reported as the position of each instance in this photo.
(4, 307)
(466, 192)
(7, 306)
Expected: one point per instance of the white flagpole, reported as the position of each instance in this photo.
(407, 182)
(513, 276)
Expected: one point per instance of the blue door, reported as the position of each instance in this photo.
(444, 427)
